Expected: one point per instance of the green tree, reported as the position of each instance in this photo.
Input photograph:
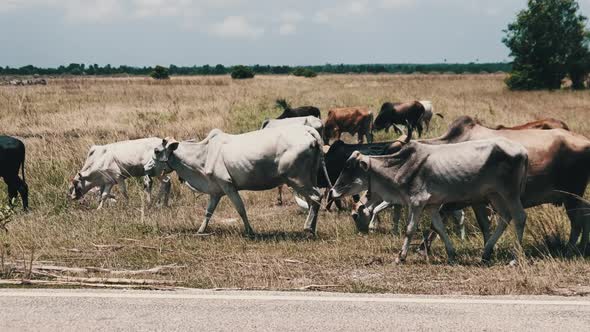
(241, 72)
(548, 41)
(304, 72)
(160, 73)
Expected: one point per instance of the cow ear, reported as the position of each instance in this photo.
(172, 146)
(364, 165)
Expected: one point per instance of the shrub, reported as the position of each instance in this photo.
(242, 72)
(160, 73)
(304, 72)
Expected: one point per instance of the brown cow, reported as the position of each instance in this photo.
(407, 114)
(558, 171)
(353, 120)
(548, 123)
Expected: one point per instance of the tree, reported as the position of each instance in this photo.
(548, 41)
(304, 72)
(160, 73)
(241, 72)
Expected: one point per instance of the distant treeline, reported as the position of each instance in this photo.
(82, 69)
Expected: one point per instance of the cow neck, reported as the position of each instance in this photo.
(176, 160)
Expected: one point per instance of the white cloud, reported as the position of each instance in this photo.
(287, 29)
(236, 27)
(291, 16)
(395, 4)
(93, 11)
(351, 9)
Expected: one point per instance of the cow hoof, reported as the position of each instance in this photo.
(399, 261)
(309, 233)
(513, 263)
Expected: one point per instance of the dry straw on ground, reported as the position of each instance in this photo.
(60, 121)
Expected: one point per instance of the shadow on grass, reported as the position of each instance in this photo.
(270, 236)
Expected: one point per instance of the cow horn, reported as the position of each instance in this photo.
(170, 140)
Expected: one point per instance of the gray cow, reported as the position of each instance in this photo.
(427, 176)
(223, 164)
(111, 164)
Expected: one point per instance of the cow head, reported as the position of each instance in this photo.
(79, 187)
(384, 119)
(353, 178)
(159, 165)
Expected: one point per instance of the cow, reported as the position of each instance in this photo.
(352, 120)
(559, 169)
(424, 176)
(548, 123)
(289, 112)
(224, 164)
(428, 113)
(12, 160)
(409, 114)
(111, 164)
(310, 121)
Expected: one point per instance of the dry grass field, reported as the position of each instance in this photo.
(60, 121)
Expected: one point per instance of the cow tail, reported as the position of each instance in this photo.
(22, 166)
(439, 114)
(320, 145)
(323, 162)
(370, 128)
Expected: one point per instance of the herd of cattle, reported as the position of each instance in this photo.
(501, 169)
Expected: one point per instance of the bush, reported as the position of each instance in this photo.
(548, 41)
(242, 72)
(304, 72)
(160, 73)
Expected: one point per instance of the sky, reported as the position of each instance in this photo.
(50, 33)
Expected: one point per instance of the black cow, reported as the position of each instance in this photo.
(289, 112)
(12, 159)
(407, 114)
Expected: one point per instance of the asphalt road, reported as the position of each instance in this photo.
(196, 310)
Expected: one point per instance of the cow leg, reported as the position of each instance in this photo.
(313, 198)
(213, 201)
(164, 193)
(147, 188)
(123, 186)
(374, 225)
(508, 210)
(12, 194)
(459, 219)
(414, 213)
(236, 200)
(483, 220)
(17, 186)
(439, 227)
(105, 194)
(395, 218)
(280, 196)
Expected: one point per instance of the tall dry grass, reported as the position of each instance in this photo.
(60, 121)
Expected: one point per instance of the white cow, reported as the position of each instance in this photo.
(111, 164)
(310, 121)
(223, 164)
(428, 113)
(424, 176)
